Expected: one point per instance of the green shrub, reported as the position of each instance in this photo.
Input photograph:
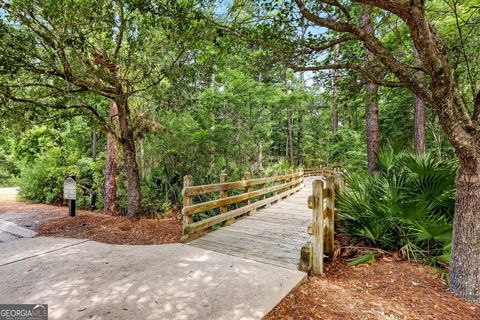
(408, 205)
(42, 179)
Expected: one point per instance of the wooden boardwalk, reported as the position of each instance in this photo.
(272, 235)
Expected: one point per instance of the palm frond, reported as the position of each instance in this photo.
(408, 205)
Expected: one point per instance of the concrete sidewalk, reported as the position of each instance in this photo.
(81, 279)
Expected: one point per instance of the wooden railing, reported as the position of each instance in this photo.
(321, 171)
(267, 190)
(322, 203)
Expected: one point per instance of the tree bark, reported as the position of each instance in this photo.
(260, 156)
(441, 94)
(110, 203)
(335, 91)
(465, 264)
(419, 125)
(371, 114)
(134, 206)
(290, 136)
(300, 140)
(419, 117)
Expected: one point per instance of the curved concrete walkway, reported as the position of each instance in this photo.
(81, 279)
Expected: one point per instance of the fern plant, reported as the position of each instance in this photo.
(407, 205)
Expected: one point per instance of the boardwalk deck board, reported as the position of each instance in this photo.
(272, 235)
(282, 235)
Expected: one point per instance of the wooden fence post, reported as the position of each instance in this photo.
(275, 182)
(292, 171)
(224, 194)
(329, 215)
(187, 182)
(300, 178)
(316, 204)
(263, 186)
(306, 257)
(247, 176)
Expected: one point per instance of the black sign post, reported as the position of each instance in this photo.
(70, 194)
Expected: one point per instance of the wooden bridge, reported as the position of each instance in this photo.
(269, 222)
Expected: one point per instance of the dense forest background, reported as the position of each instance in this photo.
(236, 120)
(226, 105)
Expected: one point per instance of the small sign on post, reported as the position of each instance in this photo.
(70, 194)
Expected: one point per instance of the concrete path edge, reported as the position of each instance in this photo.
(16, 230)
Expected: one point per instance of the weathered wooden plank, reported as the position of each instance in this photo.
(286, 215)
(317, 227)
(234, 213)
(271, 253)
(306, 257)
(280, 221)
(276, 234)
(284, 263)
(272, 237)
(265, 237)
(253, 244)
(223, 194)
(293, 224)
(197, 190)
(248, 176)
(288, 211)
(187, 181)
(256, 225)
(328, 220)
(209, 205)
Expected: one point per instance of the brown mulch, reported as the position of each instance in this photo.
(51, 220)
(388, 288)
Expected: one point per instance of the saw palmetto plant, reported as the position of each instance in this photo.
(407, 205)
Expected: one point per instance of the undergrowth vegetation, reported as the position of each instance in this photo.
(407, 205)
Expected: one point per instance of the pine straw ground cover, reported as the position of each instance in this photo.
(389, 288)
(53, 221)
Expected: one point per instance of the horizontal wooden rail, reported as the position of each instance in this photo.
(256, 193)
(198, 190)
(209, 205)
(324, 171)
(278, 186)
(195, 227)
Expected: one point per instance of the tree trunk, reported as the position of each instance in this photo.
(238, 140)
(335, 91)
(290, 136)
(260, 156)
(419, 125)
(300, 140)
(134, 206)
(371, 114)
(110, 203)
(465, 264)
(419, 117)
